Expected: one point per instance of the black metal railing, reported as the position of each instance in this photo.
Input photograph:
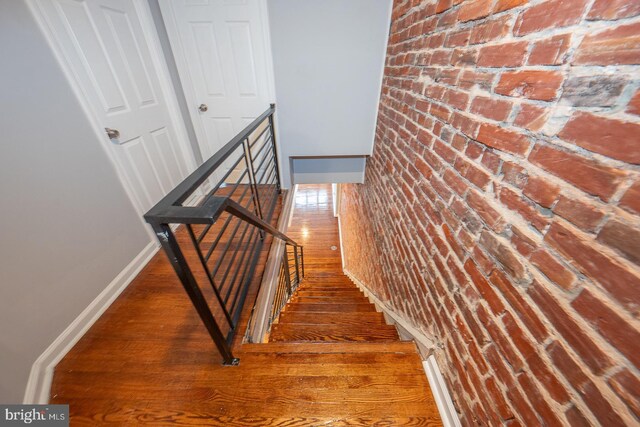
(290, 275)
(226, 207)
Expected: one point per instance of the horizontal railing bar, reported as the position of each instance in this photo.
(242, 213)
(266, 128)
(193, 181)
(206, 229)
(222, 230)
(266, 144)
(233, 258)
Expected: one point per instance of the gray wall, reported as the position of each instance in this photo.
(313, 170)
(67, 227)
(328, 61)
(163, 37)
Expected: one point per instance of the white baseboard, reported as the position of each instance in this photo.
(441, 393)
(39, 383)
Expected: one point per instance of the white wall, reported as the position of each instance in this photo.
(328, 58)
(67, 227)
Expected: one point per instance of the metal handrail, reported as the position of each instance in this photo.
(233, 267)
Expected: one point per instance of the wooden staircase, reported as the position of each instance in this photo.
(331, 309)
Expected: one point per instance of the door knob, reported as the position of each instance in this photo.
(112, 133)
(203, 108)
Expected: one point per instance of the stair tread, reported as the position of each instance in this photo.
(365, 317)
(330, 308)
(331, 347)
(330, 332)
(330, 300)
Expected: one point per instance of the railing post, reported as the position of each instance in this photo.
(275, 150)
(295, 255)
(248, 158)
(176, 258)
(287, 276)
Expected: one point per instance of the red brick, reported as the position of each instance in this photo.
(606, 272)
(550, 14)
(490, 30)
(503, 55)
(522, 408)
(471, 78)
(514, 174)
(495, 109)
(589, 176)
(458, 38)
(520, 305)
(498, 365)
(462, 57)
(623, 237)
(568, 367)
(481, 207)
(599, 406)
(590, 353)
(485, 264)
(500, 339)
(503, 254)
(612, 138)
(627, 386)
(613, 9)
(474, 9)
(539, 404)
(484, 287)
(575, 418)
(551, 268)
(582, 214)
(548, 379)
(634, 105)
(531, 117)
(503, 139)
(502, 5)
(551, 51)
(522, 242)
(540, 85)
(620, 45)
(498, 400)
(524, 207)
(613, 328)
(590, 394)
(491, 161)
(456, 99)
(631, 199)
(472, 173)
(541, 191)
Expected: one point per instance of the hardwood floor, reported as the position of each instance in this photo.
(332, 361)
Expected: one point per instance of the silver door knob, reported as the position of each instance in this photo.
(203, 108)
(112, 133)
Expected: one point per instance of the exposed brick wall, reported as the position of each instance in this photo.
(501, 208)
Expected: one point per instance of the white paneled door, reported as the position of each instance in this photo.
(107, 47)
(223, 56)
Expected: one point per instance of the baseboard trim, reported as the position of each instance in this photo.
(41, 375)
(441, 393)
(259, 324)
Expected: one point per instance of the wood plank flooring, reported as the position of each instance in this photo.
(332, 360)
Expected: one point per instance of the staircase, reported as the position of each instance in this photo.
(331, 308)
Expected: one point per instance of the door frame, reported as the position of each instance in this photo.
(168, 91)
(178, 50)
